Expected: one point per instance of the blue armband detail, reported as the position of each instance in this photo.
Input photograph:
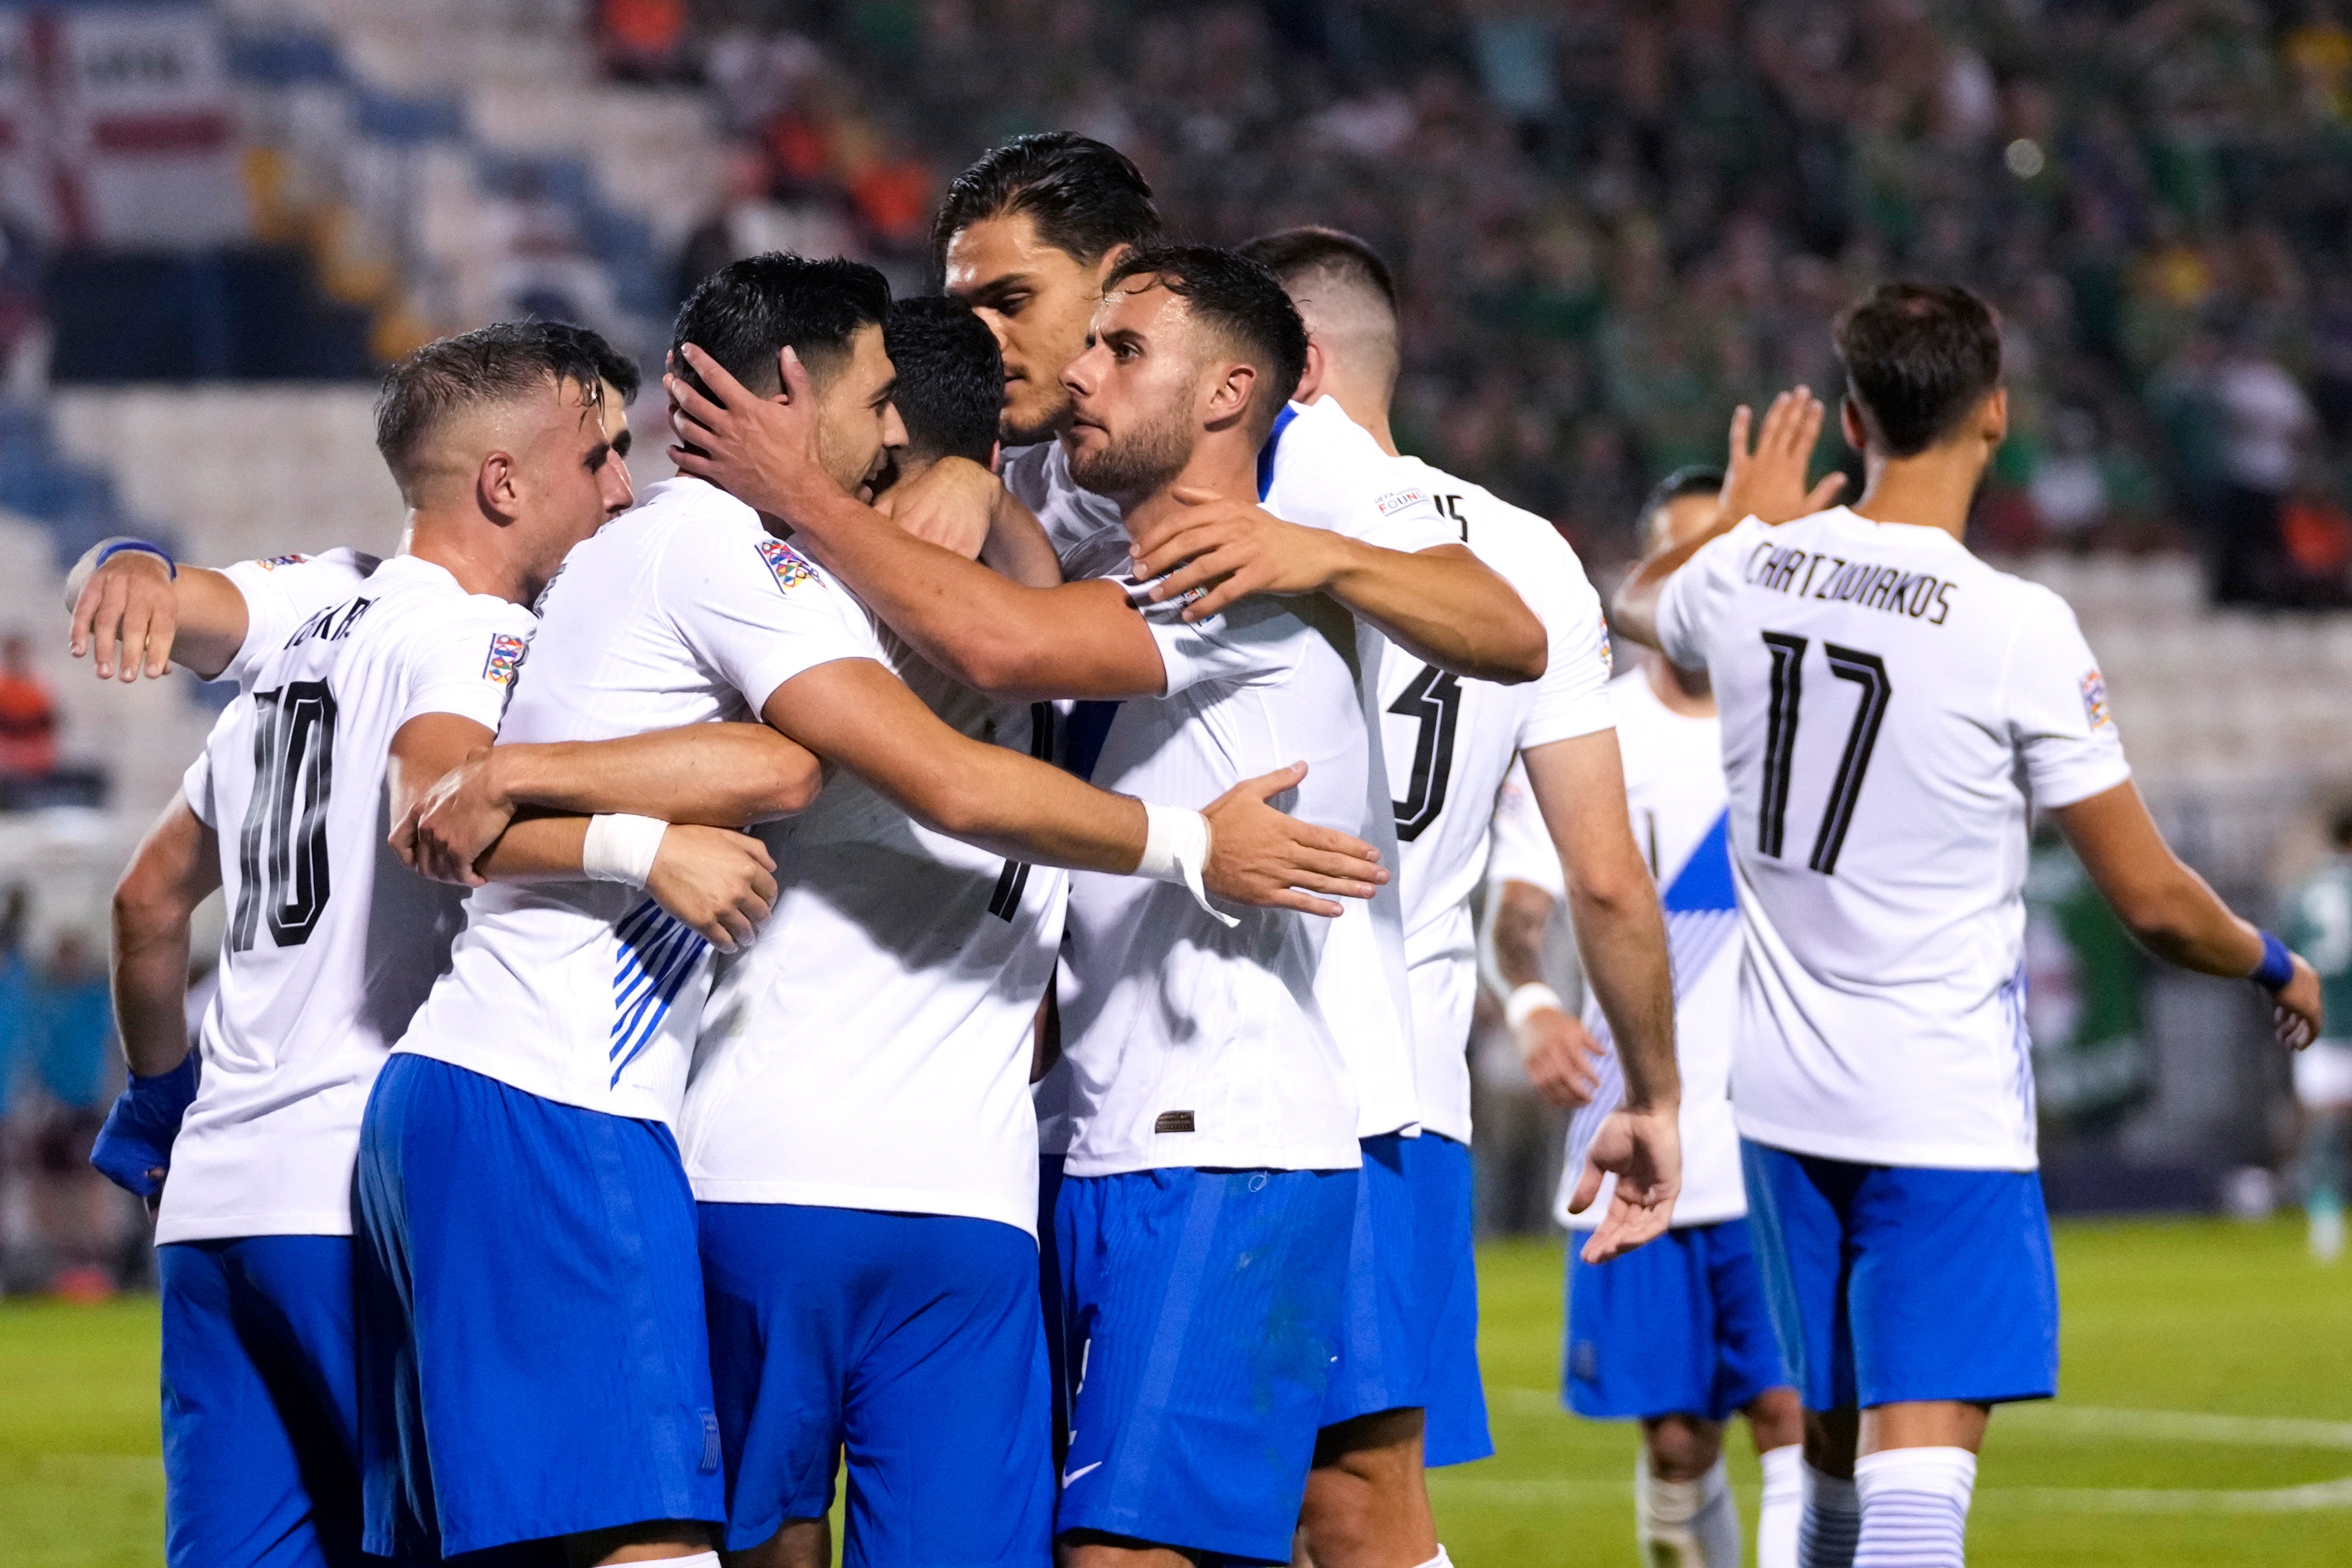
(138, 1134)
(2277, 966)
(151, 548)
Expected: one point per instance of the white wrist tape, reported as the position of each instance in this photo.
(621, 848)
(1527, 998)
(1176, 849)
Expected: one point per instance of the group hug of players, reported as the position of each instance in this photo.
(1054, 1107)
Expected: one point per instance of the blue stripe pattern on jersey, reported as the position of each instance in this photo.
(1702, 914)
(658, 951)
(1083, 736)
(1266, 453)
(2013, 1002)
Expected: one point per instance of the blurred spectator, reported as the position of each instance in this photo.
(644, 41)
(80, 1213)
(2266, 421)
(1614, 220)
(749, 222)
(28, 722)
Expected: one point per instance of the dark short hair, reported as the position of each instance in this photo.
(1918, 357)
(1086, 197)
(1690, 480)
(950, 377)
(1290, 253)
(746, 312)
(496, 364)
(1240, 300)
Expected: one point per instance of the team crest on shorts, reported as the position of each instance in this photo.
(785, 564)
(273, 563)
(1397, 500)
(506, 657)
(2094, 701)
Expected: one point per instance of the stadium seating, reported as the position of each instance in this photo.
(460, 162)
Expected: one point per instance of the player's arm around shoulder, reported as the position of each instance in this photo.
(134, 611)
(1441, 604)
(857, 714)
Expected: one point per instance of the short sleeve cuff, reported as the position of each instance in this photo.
(196, 789)
(483, 702)
(2075, 782)
(1570, 722)
(769, 676)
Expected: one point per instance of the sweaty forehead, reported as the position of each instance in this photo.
(1141, 304)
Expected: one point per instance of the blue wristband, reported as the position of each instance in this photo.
(140, 1130)
(2277, 966)
(148, 545)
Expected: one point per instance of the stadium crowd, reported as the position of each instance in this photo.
(1615, 221)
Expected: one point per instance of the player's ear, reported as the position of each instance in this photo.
(1993, 420)
(498, 488)
(997, 457)
(1850, 422)
(1230, 397)
(1310, 380)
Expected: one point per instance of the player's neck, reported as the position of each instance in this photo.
(479, 557)
(1223, 462)
(1689, 695)
(1366, 407)
(1932, 490)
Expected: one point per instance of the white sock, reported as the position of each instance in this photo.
(1663, 1511)
(699, 1560)
(1784, 1500)
(1441, 1560)
(1717, 1523)
(1914, 1507)
(1830, 1523)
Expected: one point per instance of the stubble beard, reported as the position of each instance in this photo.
(1130, 469)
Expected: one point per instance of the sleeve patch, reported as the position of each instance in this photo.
(505, 659)
(2094, 701)
(1608, 654)
(271, 564)
(789, 569)
(1397, 500)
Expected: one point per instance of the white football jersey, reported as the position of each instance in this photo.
(330, 943)
(1674, 787)
(281, 591)
(1448, 744)
(1321, 470)
(1893, 711)
(1186, 1042)
(680, 612)
(871, 1049)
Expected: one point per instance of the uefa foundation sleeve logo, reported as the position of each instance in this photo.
(505, 659)
(2094, 701)
(789, 569)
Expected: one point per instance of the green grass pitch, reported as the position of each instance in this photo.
(2207, 1419)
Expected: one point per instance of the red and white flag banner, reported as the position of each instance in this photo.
(116, 127)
